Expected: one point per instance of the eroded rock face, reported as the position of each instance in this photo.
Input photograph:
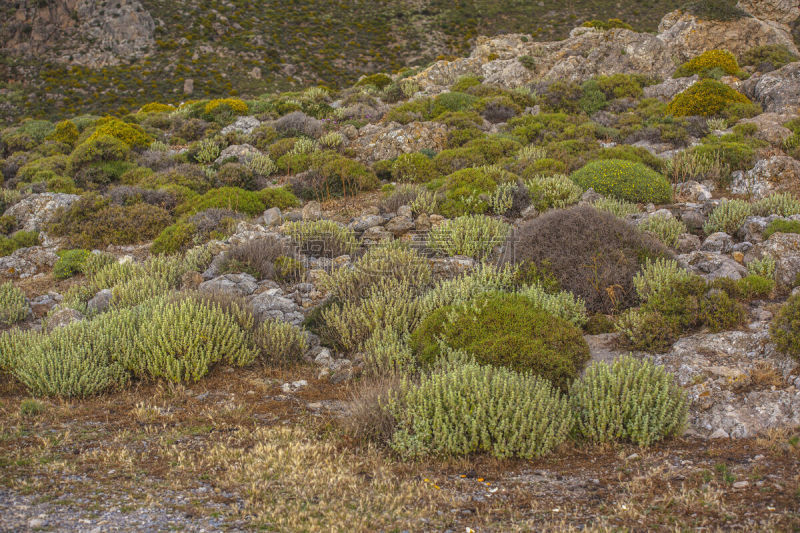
(771, 127)
(777, 174)
(785, 249)
(27, 262)
(34, 212)
(385, 141)
(777, 91)
(782, 11)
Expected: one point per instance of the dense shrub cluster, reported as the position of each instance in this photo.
(706, 98)
(624, 180)
(709, 63)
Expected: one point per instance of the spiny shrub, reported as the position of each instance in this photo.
(13, 304)
(783, 204)
(65, 132)
(472, 235)
(262, 257)
(413, 168)
(233, 198)
(720, 312)
(473, 408)
(562, 304)
(708, 61)
(666, 228)
(505, 330)
(785, 327)
(70, 262)
(485, 278)
(705, 98)
(728, 216)
(322, 238)
(556, 191)
(630, 400)
(280, 342)
(98, 149)
(386, 353)
(764, 267)
(182, 340)
(625, 180)
(592, 254)
(657, 275)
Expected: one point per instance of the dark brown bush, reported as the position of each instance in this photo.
(235, 175)
(367, 419)
(215, 219)
(130, 194)
(592, 254)
(257, 256)
(298, 123)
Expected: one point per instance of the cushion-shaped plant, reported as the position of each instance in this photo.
(624, 180)
(708, 61)
(705, 98)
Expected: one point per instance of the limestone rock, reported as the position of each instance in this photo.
(777, 91)
(777, 174)
(241, 152)
(771, 127)
(243, 125)
(27, 262)
(34, 212)
(385, 141)
(711, 265)
(239, 284)
(785, 249)
(273, 304)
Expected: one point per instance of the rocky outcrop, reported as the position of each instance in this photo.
(785, 249)
(385, 141)
(779, 173)
(34, 212)
(781, 11)
(27, 262)
(777, 91)
(93, 33)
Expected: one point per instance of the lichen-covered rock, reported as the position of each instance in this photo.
(34, 212)
(667, 89)
(61, 317)
(777, 174)
(711, 265)
(771, 127)
(243, 125)
(785, 249)
(241, 152)
(385, 141)
(239, 284)
(274, 304)
(777, 91)
(27, 262)
(782, 11)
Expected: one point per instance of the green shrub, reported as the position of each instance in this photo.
(782, 226)
(647, 330)
(174, 238)
(322, 237)
(280, 197)
(624, 180)
(505, 330)
(341, 176)
(785, 328)
(774, 55)
(728, 216)
(98, 149)
(708, 61)
(618, 208)
(610, 24)
(132, 135)
(658, 275)
(783, 204)
(233, 198)
(556, 191)
(475, 153)
(561, 304)
(755, 286)
(13, 304)
(715, 9)
(473, 408)
(485, 278)
(70, 263)
(386, 353)
(472, 235)
(19, 239)
(379, 80)
(65, 132)
(413, 168)
(280, 342)
(630, 400)
(705, 98)
(720, 312)
(466, 192)
(666, 228)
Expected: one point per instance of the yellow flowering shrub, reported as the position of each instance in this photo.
(237, 106)
(156, 107)
(131, 134)
(705, 98)
(708, 61)
(624, 180)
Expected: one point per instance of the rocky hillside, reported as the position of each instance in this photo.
(549, 285)
(74, 56)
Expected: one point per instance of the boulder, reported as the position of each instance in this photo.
(273, 304)
(771, 127)
(34, 212)
(785, 249)
(711, 265)
(719, 242)
(667, 89)
(778, 173)
(239, 284)
(243, 125)
(241, 152)
(27, 262)
(388, 140)
(781, 11)
(777, 91)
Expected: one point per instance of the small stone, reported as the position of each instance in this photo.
(404, 211)
(720, 434)
(738, 257)
(34, 523)
(312, 211)
(741, 484)
(632, 456)
(272, 217)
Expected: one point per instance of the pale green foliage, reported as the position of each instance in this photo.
(631, 400)
(666, 228)
(656, 275)
(262, 164)
(618, 208)
(207, 151)
(13, 304)
(424, 202)
(138, 290)
(181, 341)
(303, 145)
(198, 258)
(484, 278)
(471, 408)
(386, 352)
(392, 260)
(97, 260)
(716, 124)
(556, 191)
(764, 267)
(531, 153)
(9, 197)
(280, 341)
(471, 235)
(688, 165)
(159, 146)
(783, 204)
(316, 94)
(562, 304)
(333, 237)
(728, 216)
(331, 141)
(388, 303)
(502, 197)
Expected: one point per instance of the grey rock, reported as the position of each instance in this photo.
(274, 304)
(711, 265)
(777, 91)
(778, 173)
(272, 217)
(687, 243)
(242, 125)
(785, 249)
(34, 212)
(667, 89)
(399, 225)
(27, 262)
(364, 222)
(239, 284)
(719, 434)
(100, 302)
(61, 317)
(241, 152)
(312, 211)
(404, 211)
(719, 242)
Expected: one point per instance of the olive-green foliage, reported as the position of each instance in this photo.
(782, 226)
(239, 200)
(707, 62)
(666, 228)
(618, 208)
(785, 327)
(624, 180)
(720, 312)
(705, 98)
(630, 400)
(477, 152)
(715, 9)
(341, 176)
(379, 80)
(66, 132)
(774, 55)
(322, 237)
(728, 216)
(98, 149)
(471, 235)
(657, 275)
(132, 135)
(562, 304)
(13, 304)
(70, 262)
(610, 24)
(783, 204)
(18, 239)
(386, 353)
(413, 168)
(557, 191)
(174, 238)
(464, 192)
(505, 330)
(472, 408)
(280, 342)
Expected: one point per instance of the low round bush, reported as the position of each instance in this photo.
(624, 180)
(708, 61)
(413, 168)
(471, 408)
(70, 262)
(631, 400)
(785, 327)
(505, 330)
(471, 235)
(465, 191)
(132, 135)
(13, 304)
(705, 98)
(769, 57)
